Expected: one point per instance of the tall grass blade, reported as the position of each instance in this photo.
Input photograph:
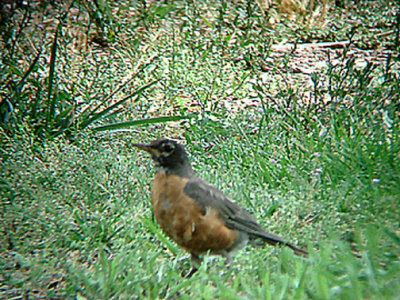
(142, 122)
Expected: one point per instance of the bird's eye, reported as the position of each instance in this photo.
(168, 148)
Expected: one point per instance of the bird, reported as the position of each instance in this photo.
(195, 214)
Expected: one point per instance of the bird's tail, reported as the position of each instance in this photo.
(297, 251)
(275, 240)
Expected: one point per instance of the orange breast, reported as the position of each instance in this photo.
(184, 221)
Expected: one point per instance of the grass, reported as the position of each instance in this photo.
(315, 157)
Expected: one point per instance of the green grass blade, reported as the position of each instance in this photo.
(153, 229)
(52, 100)
(97, 116)
(142, 122)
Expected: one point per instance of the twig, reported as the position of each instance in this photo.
(291, 46)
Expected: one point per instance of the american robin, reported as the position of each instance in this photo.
(196, 215)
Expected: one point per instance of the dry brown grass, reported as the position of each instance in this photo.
(307, 12)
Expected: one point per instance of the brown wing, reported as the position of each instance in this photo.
(232, 214)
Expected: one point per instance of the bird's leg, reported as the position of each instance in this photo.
(196, 262)
(228, 260)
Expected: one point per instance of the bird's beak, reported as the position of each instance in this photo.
(147, 148)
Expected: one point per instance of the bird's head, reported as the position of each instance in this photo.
(168, 155)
